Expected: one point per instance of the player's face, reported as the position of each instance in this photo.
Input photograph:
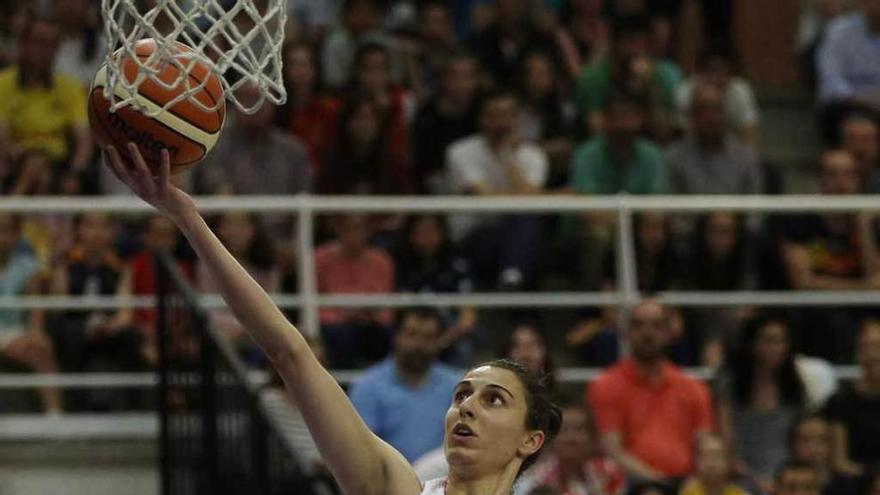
(491, 403)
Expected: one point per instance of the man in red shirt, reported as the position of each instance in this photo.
(648, 412)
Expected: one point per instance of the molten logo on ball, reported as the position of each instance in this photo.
(142, 138)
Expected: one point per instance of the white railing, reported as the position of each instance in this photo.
(306, 207)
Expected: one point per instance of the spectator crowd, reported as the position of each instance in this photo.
(489, 98)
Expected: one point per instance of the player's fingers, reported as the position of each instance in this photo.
(144, 177)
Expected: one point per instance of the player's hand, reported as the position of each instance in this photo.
(155, 190)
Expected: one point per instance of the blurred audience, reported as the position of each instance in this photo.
(360, 158)
(860, 137)
(527, 345)
(630, 66)
(82, 47)
(854, 411)
(451, 113)
(648, 412)
(796, 478)
(504, 252)
(247, 240)
(575, 464)
(810, 442)
(713, 474)
(426, 261)
(740, 107)
(360, 21)
(833, 251)
(350, 265)
(710, 159)
(43, 121)
(546, 117)
(760, 394)
(22, 343)
(512, 32)
(97, 340)
(404, 398)
(308, 114)
(619, 159)
(583, 35)
(848, 64)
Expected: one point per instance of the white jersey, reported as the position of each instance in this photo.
(435, 487)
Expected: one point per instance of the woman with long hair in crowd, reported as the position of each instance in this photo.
(498, 421)
(760, 394)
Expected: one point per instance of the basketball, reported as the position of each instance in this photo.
(185, 129)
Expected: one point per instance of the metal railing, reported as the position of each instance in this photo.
(308, 301)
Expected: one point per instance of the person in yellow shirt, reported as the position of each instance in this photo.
(43, 118)
(712, 476)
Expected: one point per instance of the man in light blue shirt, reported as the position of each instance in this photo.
(404, 398)
(848, 64)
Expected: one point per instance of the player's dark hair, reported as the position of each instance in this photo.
(541, 413)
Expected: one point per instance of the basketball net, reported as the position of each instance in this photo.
(239, 40)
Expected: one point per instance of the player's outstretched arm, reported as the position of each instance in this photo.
(360, 461)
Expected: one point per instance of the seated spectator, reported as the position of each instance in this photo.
(810, 443)
(630, 67)
(448, 115)
(718, 68)
(254, 157)
(795, 478)
(860, 137)
(308, 114)
(360, 159)
(619, 160)
(83, 46)
(21, 343)
(709, 159)
(848, 65)
(512, 33)
(99, 340)
(349, 265)
(722, 259)
(527, 345)
(854, 411)
(713, 473)
(546, 117)
(159, 235)
(435, 40)
(246, 239)
(648, 412)
(371, 75)
(575, 463)
(426, 261)
(583, 35)
(360, 21)
(660, 265)
(760, 394)
(404, 398)
(504, 252)
(835, 251)
(40, 111)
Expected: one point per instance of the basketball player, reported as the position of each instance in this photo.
(497, 423)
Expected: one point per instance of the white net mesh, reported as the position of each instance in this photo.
(238, 40)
